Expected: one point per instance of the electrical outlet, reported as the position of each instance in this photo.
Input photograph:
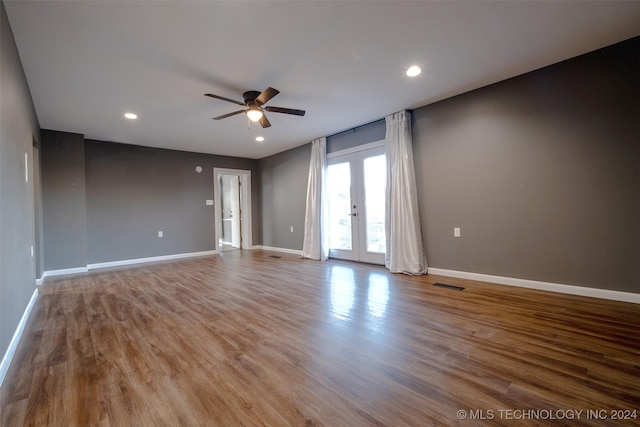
(456, 232)
(160, 233)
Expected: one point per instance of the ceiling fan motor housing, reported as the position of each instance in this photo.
(250, 96)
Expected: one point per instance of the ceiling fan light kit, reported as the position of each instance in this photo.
(254, 114)
(255, 100)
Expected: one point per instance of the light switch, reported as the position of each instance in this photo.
(456, 232)
(209, 202)
(160, 234)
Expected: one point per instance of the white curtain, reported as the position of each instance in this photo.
(405, 253)
(316, 243)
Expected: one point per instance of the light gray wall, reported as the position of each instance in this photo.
(283, 178)
(64, 200)
(18, 127)
(541, 172)
(133, 192)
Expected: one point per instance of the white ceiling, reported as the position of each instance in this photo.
(89, 62)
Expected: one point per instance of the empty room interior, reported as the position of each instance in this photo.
(331, 213)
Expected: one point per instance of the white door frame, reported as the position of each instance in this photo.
(245, 200)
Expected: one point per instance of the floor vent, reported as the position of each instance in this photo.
(275, 256)
(455, 288)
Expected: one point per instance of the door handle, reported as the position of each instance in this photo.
(353, 214)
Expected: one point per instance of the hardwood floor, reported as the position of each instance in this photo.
(247, 339)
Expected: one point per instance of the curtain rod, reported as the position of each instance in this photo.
(355, 128)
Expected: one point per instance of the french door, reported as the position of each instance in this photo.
(356, 185)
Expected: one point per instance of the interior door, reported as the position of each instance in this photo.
(231, 212)
(356, 185)
(235, 209)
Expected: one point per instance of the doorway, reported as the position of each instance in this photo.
(232, 199)
(356, 185)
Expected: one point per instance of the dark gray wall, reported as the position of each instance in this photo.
(541, 172)
(364, 134)
(18, 127)
(63, 200)
(130, 194)
(283, 178)
(37, 206)
(133, 192)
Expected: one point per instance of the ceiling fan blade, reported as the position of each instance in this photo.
(285, 111)
(266, 95)
(228, 115)
(224, 99)
(264, 122)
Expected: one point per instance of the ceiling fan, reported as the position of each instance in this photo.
(255, 100)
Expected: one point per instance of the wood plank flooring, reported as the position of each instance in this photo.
(246, 339)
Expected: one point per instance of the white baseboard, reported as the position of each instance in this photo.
(121, 263)
(13, 345)
(272, 248)
(150, 259)
(501, 280)
(543, 286)
(62, 272)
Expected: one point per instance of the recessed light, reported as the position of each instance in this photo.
(413, 71)
(131, 116)
(260, 138)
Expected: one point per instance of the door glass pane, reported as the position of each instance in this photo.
(375, 178)
(339, 190)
